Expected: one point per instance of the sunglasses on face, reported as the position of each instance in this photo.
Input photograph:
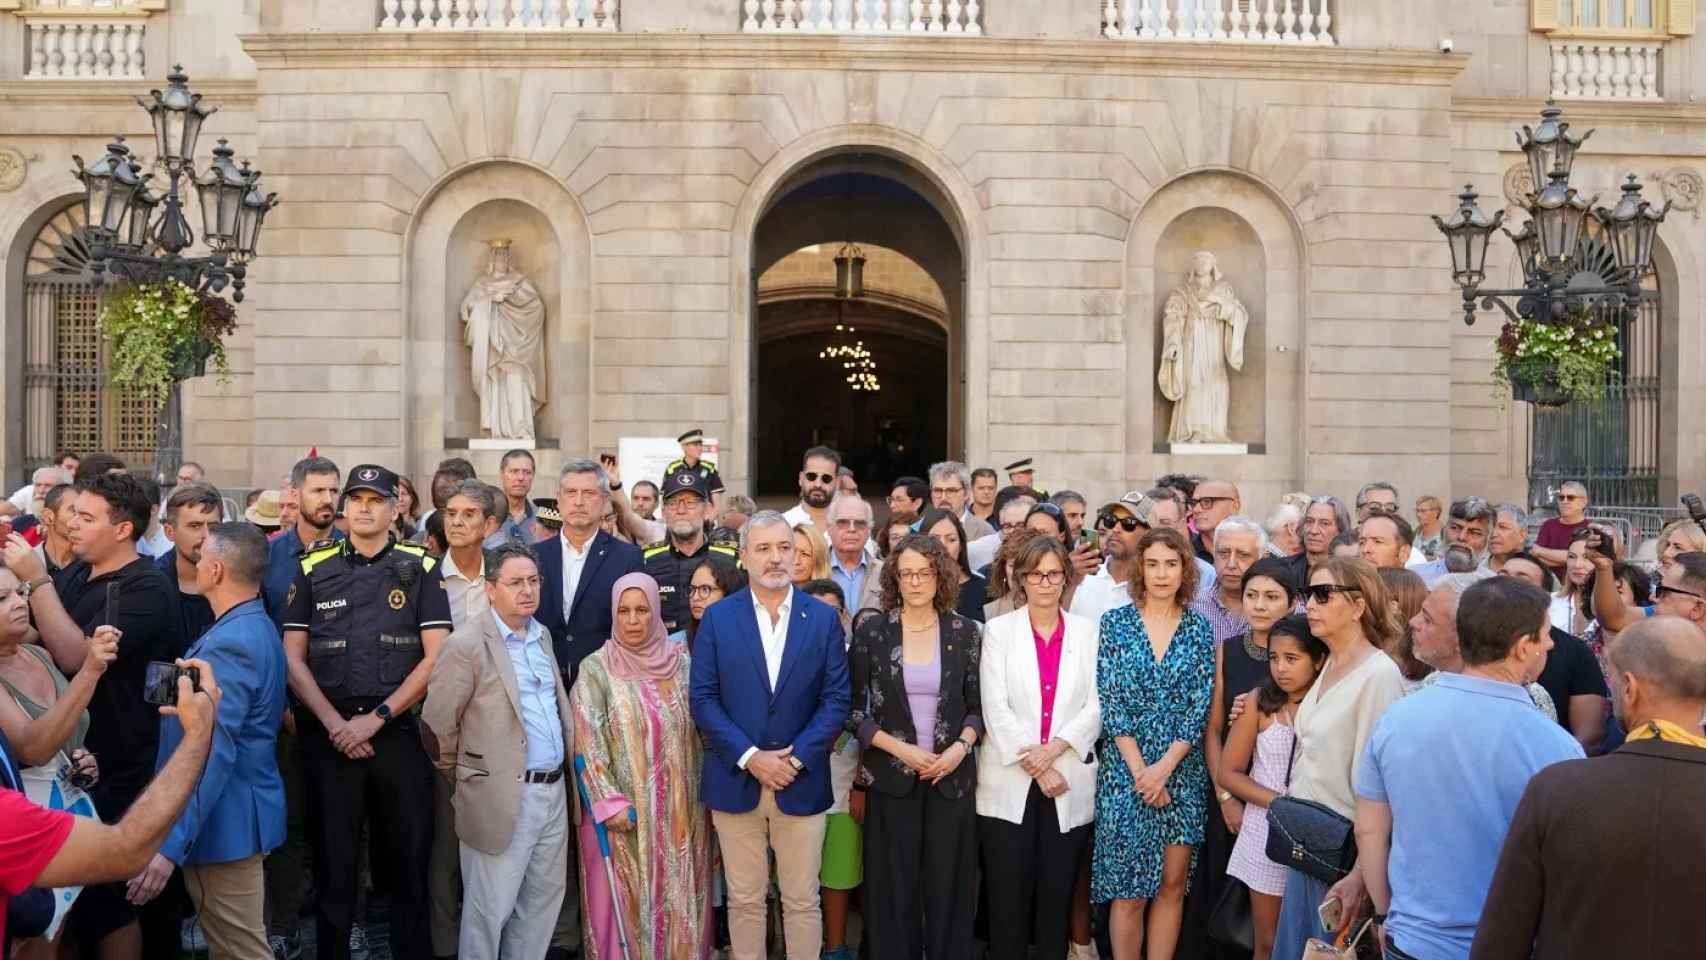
(1322, 593)
(818, 477)
(1108, 521)
(1378, 507)
(1662, 589)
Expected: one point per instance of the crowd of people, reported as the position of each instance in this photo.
(662, 723)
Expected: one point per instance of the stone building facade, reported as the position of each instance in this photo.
(1036, 172)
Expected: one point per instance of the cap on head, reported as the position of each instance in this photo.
(1020, 466)
(372, 477)
(1139, 504)
(694, 435)
(686, 481)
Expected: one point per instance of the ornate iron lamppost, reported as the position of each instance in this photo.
(1558, 281)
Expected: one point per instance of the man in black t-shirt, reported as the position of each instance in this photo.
(1572, 674)
(108, 583)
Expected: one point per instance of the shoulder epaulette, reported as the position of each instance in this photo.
(712, 464)
(321, 550)
(725, 550)
(651, 550)
(418, 552)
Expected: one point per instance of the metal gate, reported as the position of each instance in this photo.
(1612, 446)
(69, 405)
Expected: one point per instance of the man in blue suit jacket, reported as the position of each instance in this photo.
(236, 815)
(588, 559)
(770, 694)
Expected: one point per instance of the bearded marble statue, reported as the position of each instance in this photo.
(503, 324)
(1203, 328)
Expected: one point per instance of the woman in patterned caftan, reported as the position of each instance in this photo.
(642, 759)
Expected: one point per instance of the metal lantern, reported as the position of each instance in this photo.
(1527, 244)
(1467, 232)
(1558, 214)
(142, 203)
(178, 116)
(1631, 227)
(850, 272)
(221, 188)
(249, 219)
(1550, 147)
(107, 187)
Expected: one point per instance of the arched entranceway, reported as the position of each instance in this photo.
(900, 404)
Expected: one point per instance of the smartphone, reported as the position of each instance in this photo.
(160, 684)
(109, 615)
(1090, 538)
(1332, 914)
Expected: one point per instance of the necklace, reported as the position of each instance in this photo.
(1255, 650)
(928, 626)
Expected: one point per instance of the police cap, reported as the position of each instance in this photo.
(369, 476)
(694, 435)
(686, 480)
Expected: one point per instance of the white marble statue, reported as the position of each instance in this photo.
(1202, 335)
(503, 323)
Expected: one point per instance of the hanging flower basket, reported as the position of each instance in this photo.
(164, 333)
(1551, 364)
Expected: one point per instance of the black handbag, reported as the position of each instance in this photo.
(1310, 837)
(1230, 922)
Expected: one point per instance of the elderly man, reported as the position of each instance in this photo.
(768, 736)
(497, 724)
(1572, 677)
(1383, 538)
(1435, 639)
(1376, 497)
(238, 813)
(1509, 535)
(1441, 775)
(1470, 526)
(1324, 520)
(671, 562)
(1211, 502)
(853, 569)
(1122, 524)
(1010, 515)
(28, 498)
(579, 566)
(1602, 858)
(950, 490)
(1552, 545)
(1285, 531)
(1238, 543)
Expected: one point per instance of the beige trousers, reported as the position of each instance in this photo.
(746, 840)
(231, 900)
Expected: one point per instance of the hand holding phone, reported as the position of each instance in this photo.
(160, 685)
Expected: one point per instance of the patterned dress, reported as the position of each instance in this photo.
(1157, 704)
(641, 749)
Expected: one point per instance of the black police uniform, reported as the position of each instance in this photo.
(364, 617)
(706, 469)
(671, 568)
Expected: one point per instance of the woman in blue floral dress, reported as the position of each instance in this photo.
(1155, 676)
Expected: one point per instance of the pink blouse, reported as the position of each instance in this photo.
(1048, 668)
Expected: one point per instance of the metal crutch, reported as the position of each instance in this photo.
(603, 835)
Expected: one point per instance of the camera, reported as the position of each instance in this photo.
(160, 685)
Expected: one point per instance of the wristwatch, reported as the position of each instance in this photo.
(616, 487)
(33, 586)
(1223, 796)
(962, 741)
(796, 764)
(383, 712)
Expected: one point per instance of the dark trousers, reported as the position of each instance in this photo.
(1030, 870)
(920, 892)
(1208, 880)
(392, 792)
(286, 868)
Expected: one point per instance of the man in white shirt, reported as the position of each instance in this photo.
(981, 552)
(29, 496)
(1121, 523)
(817, 488)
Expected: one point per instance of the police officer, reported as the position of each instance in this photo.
(363, 623)
(671, 561)
(1022, 473)
(692, 450)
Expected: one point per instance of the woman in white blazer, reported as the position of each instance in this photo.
(1036, 787)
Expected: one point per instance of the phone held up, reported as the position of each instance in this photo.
(160, 685)
(1331, 914)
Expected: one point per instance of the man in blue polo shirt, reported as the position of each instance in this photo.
(315, 481)
(1443, 771)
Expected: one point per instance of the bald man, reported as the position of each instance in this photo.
(1211, 502)
(1603, 855)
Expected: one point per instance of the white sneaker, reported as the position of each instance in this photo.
(1082, 951)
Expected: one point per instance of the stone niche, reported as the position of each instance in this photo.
(1243, 264)
(534, 252)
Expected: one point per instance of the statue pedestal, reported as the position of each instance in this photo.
(499, 443)
(486, 454)
(1206, 449)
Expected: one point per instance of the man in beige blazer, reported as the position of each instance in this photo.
(497, 723)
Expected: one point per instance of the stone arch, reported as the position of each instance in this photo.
(940, 182)
(443, 254)
(1242, 219)
(40, 204)
(1682, 365)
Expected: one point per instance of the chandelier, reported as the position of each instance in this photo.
(857, 364)
(1558, 279)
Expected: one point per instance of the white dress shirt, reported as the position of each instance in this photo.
(773, 637)
(574, 562)
(468, 600)
(1098, 594)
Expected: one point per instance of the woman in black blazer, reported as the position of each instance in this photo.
(914, 664)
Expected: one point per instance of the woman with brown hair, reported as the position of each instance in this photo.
(917, 712)
(1347, 608)
(973, 591)
(1155, 679)
(1405, 593)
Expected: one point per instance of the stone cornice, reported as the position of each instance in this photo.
(94, 94)
(1609, 113)
(805, 51)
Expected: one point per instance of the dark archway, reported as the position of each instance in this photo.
(802, 398)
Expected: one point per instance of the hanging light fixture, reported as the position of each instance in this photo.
(850, 272)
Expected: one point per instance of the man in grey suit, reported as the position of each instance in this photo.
(497, 722)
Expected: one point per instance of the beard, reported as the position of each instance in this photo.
(685, 529)
(817, 497)
(774, 579)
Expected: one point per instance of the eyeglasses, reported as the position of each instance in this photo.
(818, 477)
(915, 576)
(1571, 496)
(1053, 578)
(701, 592)
(1007, 528)
(530, 583)
(944, 491)
(1322, 593)
(1207, 503)
(1378, 507)
(1662, 589)
(1107, 521)
(848, 524)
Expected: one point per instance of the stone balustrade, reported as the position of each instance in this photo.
(1229, 21)
(84, 48)
(1605, 70)
(864, 16)
(499, 14)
